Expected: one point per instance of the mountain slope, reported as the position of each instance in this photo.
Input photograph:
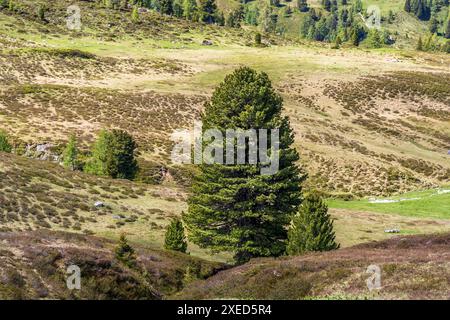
(367, 123)
(33, 265)
(410, 268)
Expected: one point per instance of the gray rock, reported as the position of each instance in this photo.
(207, 43)
(99, 204)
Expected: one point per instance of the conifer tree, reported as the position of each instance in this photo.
(189, 8)
(207, 10)
(124, 252)
(419, 46)
(374, 39)
(337, 42)
(135, 15)
(355, 37)
(302, 5)
(258, 39)
(41, 12)
(113, 155)
(434, 24)
(120, 159)
(166, 7)
(446, 47)
(326, 4)
(408, 5)
(178, 8)
(175, 238)
(234, 207)
(447, 29)
(97, 163)
(70, 154)
(312, 228)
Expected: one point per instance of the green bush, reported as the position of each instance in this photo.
(175, 238)
(70, 154)
(5, 146)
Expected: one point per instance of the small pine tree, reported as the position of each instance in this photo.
(5, 146)
(337, 42)
(189, 9)
(312, 228)
(355, 38)
(120, 160)
(97, 163)
(302, 5)
(207, 10)
(419, 46)
(70, 154)
(374, 39)
(178, 8)
(41, 12)
(446, 47)
(408, 5)
(124, 252)
(175, 238)
(391, 16)
(113, 155)
(166, 7)
(447, 29)
(258, 39)
(189, 275)
(135, 15)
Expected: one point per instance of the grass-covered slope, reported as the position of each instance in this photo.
(411, 268)
(428, 204)
(40, 194)
(366, 123)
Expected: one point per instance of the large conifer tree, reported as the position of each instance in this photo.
(234, 207)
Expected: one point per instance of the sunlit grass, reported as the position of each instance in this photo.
(425, 204)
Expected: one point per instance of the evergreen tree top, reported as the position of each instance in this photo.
(245, 99)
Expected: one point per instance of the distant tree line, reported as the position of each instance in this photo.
(341, 24)
(193, 10)
(429, 10)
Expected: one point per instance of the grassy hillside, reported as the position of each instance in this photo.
(369, 125)
(38, 194)
(411, 268)
(429, 203)
(362, 129)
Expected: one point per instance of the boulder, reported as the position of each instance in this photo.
(99, 204)
(207, 43)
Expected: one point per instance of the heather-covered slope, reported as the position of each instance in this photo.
(33, 265)
(415, 267)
